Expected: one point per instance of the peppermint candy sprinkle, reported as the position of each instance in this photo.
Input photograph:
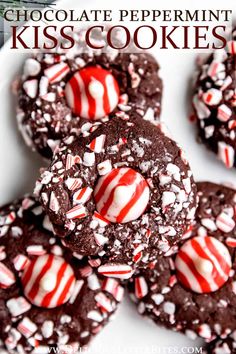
(121, 195)
(17, 306)
(225, 222)
(56, 72)
(104, 302)
(212, 97)
(113, 287)
(92, 93)
(141, 288)
(82, 195)
(121, 271)
(203, 264)
(78, 212)
(97, 144)
(100, 219)
(27, 327)
(48, 281)
(224, 113)
(7, 278)
(231, 46)
(20, 262)
(226, 154)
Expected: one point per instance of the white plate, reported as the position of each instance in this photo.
(129, 333)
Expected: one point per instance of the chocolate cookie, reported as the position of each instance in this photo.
(214, 103)
(63, 94)
(193, 291)
(49, 297)
(125, 193)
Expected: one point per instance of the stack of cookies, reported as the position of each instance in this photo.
(116, 206)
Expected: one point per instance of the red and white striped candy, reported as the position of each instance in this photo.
(225, 222)
(72, 160)
(104, 302)
(224, 113)
(56, 72)
(7, 278)
(78, 212)
(119, 293)
(86, 271)
(121, 195)
(100, 219)
(204, 331)
(95, 262)
(92, 93)
(113, 287)
(97, 144)
(27, 327)
(77, 288)
(36, 250)
(172, 281)
(231, 242)
(212, 97)
(203, 264)
(10, 218)
(48, 281)
(121, 271)
(231, 47)
(232, 124)
(138, 253)
(226, 154)
(141, 287)
(203, 111)
(82, 195)
(214, 68)
(73, 183)
(110, 285)
(20, 262)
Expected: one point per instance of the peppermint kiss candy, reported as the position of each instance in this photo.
(121, 195)
(92, 93)
(203, 264)
(48, 281)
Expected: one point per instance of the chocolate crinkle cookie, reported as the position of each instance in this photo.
(125, 193)
(49, 296)
(193, 291)
(62, 93)
(214, 102)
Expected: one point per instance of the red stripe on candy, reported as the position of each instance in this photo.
(76, 94)
(204, 285)
(127, 178)
(138, 192)
(36, 283)
(112, 175)
(47, 299)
